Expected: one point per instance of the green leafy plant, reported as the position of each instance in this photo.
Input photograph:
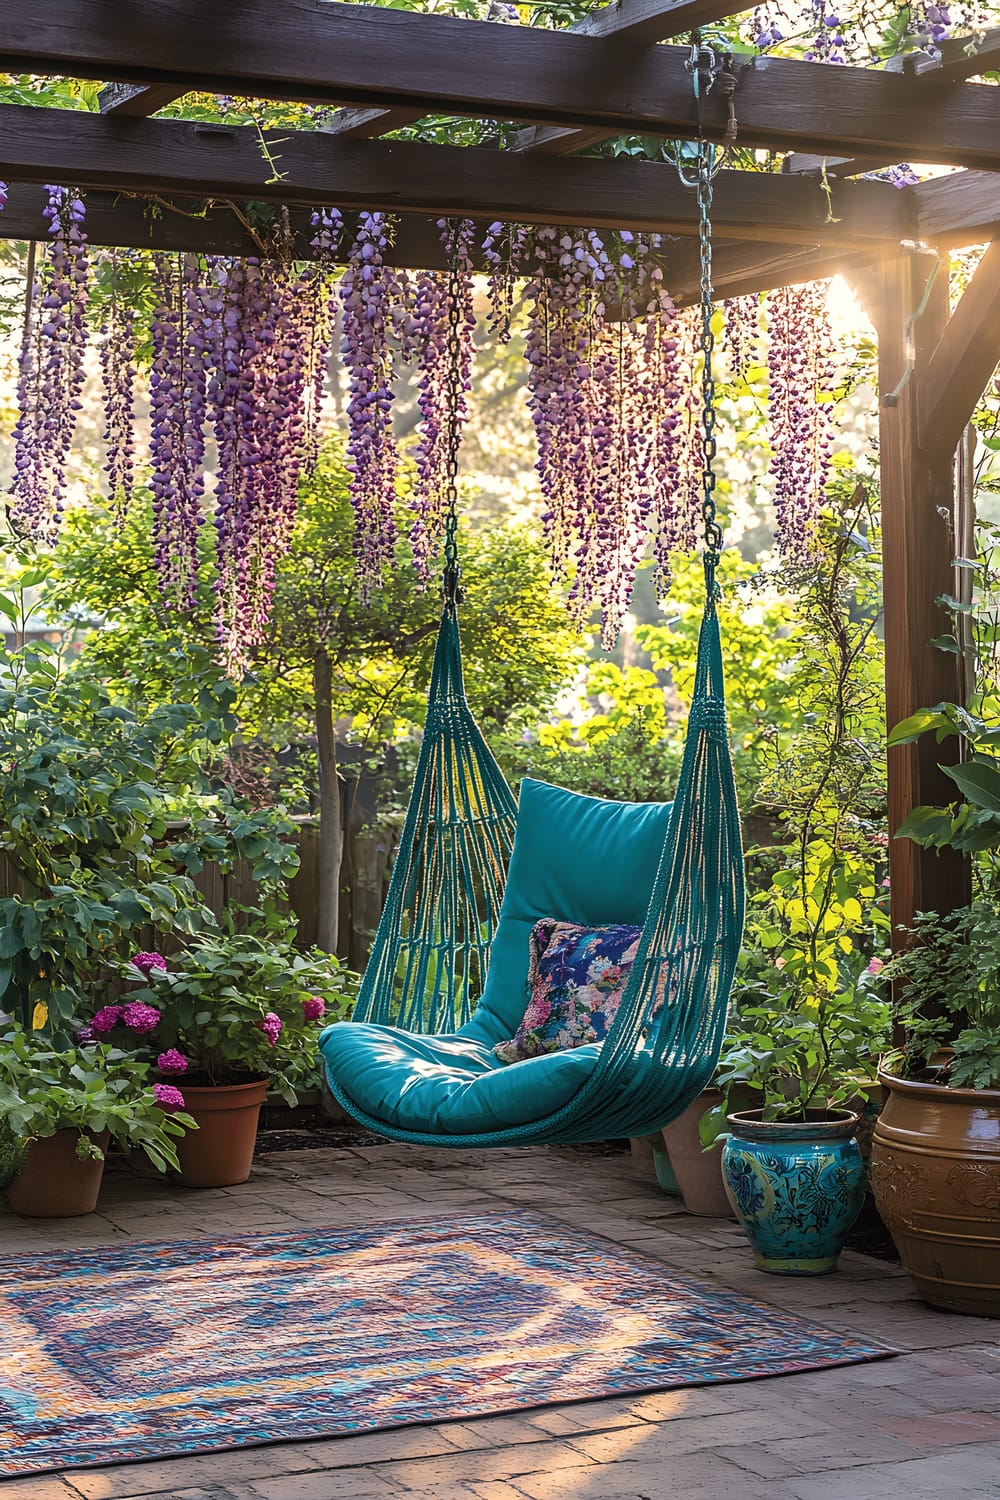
(90, 1089)
(105, 817)
(949, 978)
(230, 1007)
(808, 1020)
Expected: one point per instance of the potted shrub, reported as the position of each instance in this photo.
(936, 1153)
(803, 1047)
(228, 1017)
(61, 1108)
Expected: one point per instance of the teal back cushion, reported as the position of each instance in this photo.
(576, 858)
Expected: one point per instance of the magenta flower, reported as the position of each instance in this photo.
(271, 1027)
(141, 1018)
(167, 1097)
(147, 962)
(172, 1061)
(84, 1034)
(313, 1008)
(106, 1019)
(876, 966)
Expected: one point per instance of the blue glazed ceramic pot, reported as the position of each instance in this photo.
(796, 1187)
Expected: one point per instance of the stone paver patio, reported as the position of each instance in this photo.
(925, 1424)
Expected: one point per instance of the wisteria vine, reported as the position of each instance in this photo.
(801, 373)
(50, 370)
(238, 359)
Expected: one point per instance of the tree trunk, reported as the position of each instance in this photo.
(331, 824)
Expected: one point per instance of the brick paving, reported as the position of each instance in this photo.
(926, 1424)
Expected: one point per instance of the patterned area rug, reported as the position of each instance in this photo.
(147, 1350)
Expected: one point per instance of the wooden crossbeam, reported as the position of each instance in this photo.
(326, 50)
(137, 100)
(961, 208)
(223, 229)
(963, 360)
(803, 163)
(365, 124)
(647, 21)
(961, 58)
(310, 168)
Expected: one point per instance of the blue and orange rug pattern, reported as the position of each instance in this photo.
(141, 1351)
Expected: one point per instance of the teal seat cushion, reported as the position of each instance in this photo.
(447, 1085)
(578, 859)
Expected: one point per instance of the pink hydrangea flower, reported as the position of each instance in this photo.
(172, 1061)
(106, 1019)
(140, 1018)
(876, 966)
(167, 1097)
(271, 1027)
(149, 961)
(313, 1008)
(84, 1034)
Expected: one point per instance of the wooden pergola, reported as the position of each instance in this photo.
(180, 185)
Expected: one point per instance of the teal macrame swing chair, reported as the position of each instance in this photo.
(475, 870)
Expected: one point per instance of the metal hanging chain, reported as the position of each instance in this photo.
(707, 75)
(456, 294)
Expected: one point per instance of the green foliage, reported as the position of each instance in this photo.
(949, 975)
(89, 800)
(215, 993)
(519, 646)
(806, 1025)
(90, 1089)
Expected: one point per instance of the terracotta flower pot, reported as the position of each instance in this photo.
(53, 1182)
(936, 1179)
(698, 1172)
(220, 1152)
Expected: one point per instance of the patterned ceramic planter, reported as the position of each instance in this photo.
(796, 1187)
(936, 1181)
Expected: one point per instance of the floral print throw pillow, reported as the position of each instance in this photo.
(576, 978)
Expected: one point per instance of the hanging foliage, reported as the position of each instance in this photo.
(368, 289)
(741, 333)
(614, 460)
(801, 374)
(441, 297)
(177, 411)
(118, 376)
(263, 408)
(50, 370)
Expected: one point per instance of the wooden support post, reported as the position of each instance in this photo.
(918, 518)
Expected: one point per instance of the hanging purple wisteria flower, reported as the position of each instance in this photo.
(801, 407)
(600, 349)
(177, 410)
(50, 371)
(440, 297)
(367, 292)
(118, 374)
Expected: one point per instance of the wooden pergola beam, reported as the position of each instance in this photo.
(308, 168)
(114, 220)
(961, 58)
(961, 208)
(137, 100)
(917, 490)
(963, 360)
(648, 21)
(317, 51)
(803, 163)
